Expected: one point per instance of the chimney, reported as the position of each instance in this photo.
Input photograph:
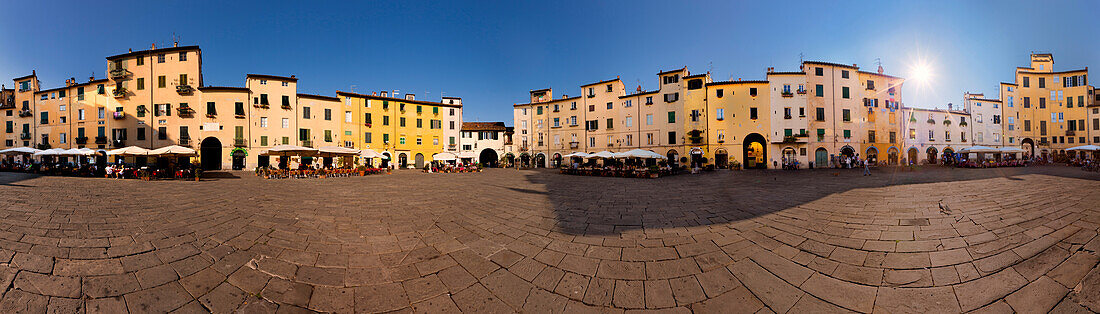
(91, 78)
(175, 44)
(854, 65)
(154, 46)
(385, 94)
(131, 50)
(880, 69)
(374, 93)
(949, 106)
(410, 97)
(292, 76)
(771, 69)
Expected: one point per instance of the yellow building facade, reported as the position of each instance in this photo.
(408, 131)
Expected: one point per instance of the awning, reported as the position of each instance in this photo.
(173, 150)
(443, 157)
(78, 152)
(1085, 148)
(602, 154)
(1012, 150)
(289, 150)
(329, 151)
(50, 152)
(465, 155)
(576, 154)
(129, 151)
(19, 151)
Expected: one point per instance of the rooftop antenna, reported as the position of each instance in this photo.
(710, 66)
(878, 61)
(800, 57)
(353, 88)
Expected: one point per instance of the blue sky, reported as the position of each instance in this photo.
(492, 53)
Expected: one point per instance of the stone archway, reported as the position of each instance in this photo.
(932, 153)
(1028, 145)
(403, 160)
(755, 151)
(871, 155)
(488, 158)
(721, 158)
(210, 153)
(892, 155)
(419, 160)
(821, 158)
(912, 155)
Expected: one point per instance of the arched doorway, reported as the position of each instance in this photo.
(1028, 146)
(696, 157)
(509, 159)
(556, 160)
(755, 151)
(871, 155)
(932, 152)
(488, 158)
(210, 153)
(789, 156)
(672, 157)
(912, 155)
(821, 158)
(386, 157)
(847, 151)
(540, 160)
(892, 155)
(524, 159)
(419, 160)
(948, 155)
(403, 160)
(238, 158)
(721, 158)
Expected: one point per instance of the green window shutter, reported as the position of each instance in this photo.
(671, 117)
(820, 89)
(845, 91)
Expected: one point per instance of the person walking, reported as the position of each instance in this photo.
(866, 168)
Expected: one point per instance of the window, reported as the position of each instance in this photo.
(160, 58)
(141, 83)
(847, 115)
(912, 134)
(609, 105)
(610, 123)
(671, 138)
(649, 119)
(648, 101)
(672, 97)
(420, 123)
(263, 122)
(162, 81)
(102, 112)
(305, 113)
(695, 84)
(140, 133)
(719, 93)
(286, 123)
(1042, 102)
(80, 114)
(556, 123)
(629, 121)
(752, 91)
(820, 114)
(140, 60)
(819, 90)
(401, 122)
(386, 121)
(720, 114)
(671, 117)
(625, 104)
(591, 141)
(847, 134)
(183, 56)
(931, 135)
(694, 115)
(162, 133)
(844, 92)
(870, 84)
(819, 71)
(752, 113)
(1042, 82)
(608, 88)
(286, 101)
(238, 108)
(1027, 82)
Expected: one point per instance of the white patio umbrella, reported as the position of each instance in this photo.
(336, 151)
(77, 152)
(369, 153)
(465, 155)
(1084, 148)
(19, 151)
(50, 152)
(577, 154)
(129, 151)
(641, 153)
(173, 150)
(979, 149)
(443, 157)
(1011, 150)
(601, 154)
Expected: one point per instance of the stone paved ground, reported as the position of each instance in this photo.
(931, 241)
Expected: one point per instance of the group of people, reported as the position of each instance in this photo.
(118, 170)
(446, 167)
(618, 168)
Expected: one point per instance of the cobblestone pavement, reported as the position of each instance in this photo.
(935, 240)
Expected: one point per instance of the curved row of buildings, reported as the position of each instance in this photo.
(157, 97)
(813, 116)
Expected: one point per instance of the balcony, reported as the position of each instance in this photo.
(119, 115)
(801, 91)
(185, 111)
(786, 94)
(307, 143)
(261, 105)
(24, 136)
(25, 113)
(184, 89)
(185, 141)
(1071, 133)
(119, 92)
(81, 140)
(118, 143)
(43, 146)
(795, 138)
(286, 106)
(239, 116)
(119, 73)
(239, 142)
(101, 140)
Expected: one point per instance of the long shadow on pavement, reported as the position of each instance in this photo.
(609, 206)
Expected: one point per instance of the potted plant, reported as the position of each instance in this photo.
(362, 170)
(735, 165)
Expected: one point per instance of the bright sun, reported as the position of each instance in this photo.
(920, 73)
